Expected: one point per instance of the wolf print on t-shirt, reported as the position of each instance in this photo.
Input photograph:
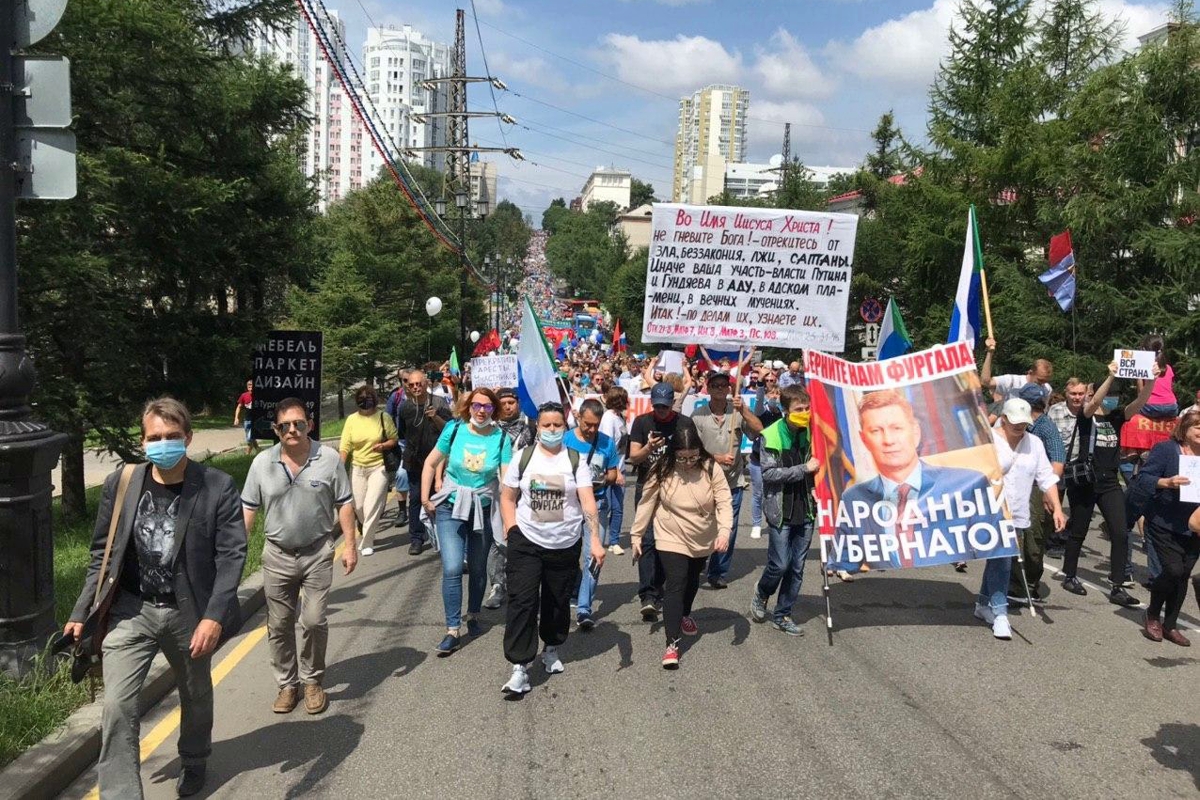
(154, 530)
(547, 493)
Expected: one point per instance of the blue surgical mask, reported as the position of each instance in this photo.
(1109, 404)
(166, 453)
(551, 438)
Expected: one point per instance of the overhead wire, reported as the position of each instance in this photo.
(488, 74)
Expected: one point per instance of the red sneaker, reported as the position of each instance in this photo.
(671, 657)
(688, 626)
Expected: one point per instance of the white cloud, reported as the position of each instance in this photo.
(675, 3)
(682, 64)
(492, 8)
(1138, 19)
(787, 70)
(903, 53)
(533, 70)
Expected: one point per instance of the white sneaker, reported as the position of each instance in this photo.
(368, 551)
(985, 613)
(616, 550)
(518, 682)
(1001, 629)
(756, 532)
(551, 661)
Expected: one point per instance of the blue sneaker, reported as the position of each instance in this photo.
(758, 608)
(448, 645)
(788, 626)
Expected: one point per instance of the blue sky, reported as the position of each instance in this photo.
(597, 82)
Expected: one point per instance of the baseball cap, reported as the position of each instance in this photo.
(662, 395)
(1017, 411)
(506, 393)
(1032, 393)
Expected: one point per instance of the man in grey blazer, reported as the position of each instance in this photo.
(173, 573)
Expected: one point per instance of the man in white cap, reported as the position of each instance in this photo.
(1023, 460)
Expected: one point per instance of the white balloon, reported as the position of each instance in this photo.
(474, 336)
(779, 365)
(433, 305)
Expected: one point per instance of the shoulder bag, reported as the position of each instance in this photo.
(85, 655)
(1079, 471)
(391, 458)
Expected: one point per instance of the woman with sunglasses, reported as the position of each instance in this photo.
(474, 450)
(366, 435)
(546, 500)
(687, 499)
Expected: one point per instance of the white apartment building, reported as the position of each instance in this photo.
(757, 180)
(607, 185)
(712, 134)
(483, 176)
(396, 60)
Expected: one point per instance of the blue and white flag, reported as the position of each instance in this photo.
(893, 336)
(535, 368)
(964, 320)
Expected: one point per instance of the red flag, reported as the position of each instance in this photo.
(1060, 248)
(487, 344)
(617, 345)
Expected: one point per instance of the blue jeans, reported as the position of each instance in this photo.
(787, 547)
(587, 584)
(993, 590)
(718, 563)
(756, 494)
(457, 537)
(616, 514)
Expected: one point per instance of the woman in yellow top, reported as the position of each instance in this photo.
(687, 499)
(368, 433)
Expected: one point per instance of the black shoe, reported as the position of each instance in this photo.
(1121, 597)
(1074, 586)
(718, 583)
(402, 518)
(474, 628)
(649, 611)
(191, 780)
(415, 547)
(1056, 552)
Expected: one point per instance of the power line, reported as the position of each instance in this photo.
(626, 156)
(488, 73)
(590, 119)
(590, 138)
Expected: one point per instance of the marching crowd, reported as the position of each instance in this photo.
(528, 510)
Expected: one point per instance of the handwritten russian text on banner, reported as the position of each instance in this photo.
(494, 372)
(910, 476)
(736, 276)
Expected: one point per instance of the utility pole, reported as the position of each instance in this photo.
(37, 161)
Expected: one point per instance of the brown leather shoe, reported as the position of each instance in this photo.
(315, 699)
(1152, 629)
(1175, 637)
(288, 697)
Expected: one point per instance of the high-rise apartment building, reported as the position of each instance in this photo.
(712, 134)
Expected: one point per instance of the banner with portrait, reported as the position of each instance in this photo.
(909, 474)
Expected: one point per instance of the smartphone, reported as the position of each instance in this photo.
(594, 568)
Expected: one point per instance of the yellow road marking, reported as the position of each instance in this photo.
(160, 732)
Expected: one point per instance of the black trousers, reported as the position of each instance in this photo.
(1108, 496)
(679, 589)
(540, 581)
(1178, 555)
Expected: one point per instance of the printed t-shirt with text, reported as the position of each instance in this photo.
(549, 513)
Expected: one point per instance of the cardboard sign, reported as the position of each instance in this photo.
(1134, 364)
(287, 365)
(670, 361)
(749, 276)
(494, 372)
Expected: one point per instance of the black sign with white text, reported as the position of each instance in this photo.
(287, 365)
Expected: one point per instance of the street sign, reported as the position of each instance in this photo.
(45, 164)
(871, 335)
(33, 19)
(287, 365)
(868, 353)
(43, 91)
(871, 310)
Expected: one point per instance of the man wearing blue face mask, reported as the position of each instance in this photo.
(174, 564)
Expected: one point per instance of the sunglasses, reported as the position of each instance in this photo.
(688, 460)
(486, 408)
(300, 425)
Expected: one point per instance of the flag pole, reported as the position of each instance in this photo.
(987, 301)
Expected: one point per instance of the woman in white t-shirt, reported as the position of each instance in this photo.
(547, 496)
(614, 426)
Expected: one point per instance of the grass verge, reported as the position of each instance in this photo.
(35, 706)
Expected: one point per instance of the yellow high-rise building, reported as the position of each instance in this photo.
(712, 133)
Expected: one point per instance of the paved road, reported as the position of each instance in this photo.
(914, 699)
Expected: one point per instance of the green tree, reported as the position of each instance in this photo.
(554, 214)
(640, 193)
(626, 295)
(887, 158)
(192, 218)
(586, 249)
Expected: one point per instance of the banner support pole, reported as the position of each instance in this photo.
(987, 302)
(1025, 581)
(828, 602)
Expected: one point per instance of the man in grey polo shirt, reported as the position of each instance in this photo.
(301, 486)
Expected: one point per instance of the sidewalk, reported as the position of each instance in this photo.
(98, 465)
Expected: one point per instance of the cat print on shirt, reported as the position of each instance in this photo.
(474, 462)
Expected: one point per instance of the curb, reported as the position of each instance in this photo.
(53, 764)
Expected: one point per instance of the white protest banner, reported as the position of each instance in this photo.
(749, 276)
(1189, 467)
(670, 361)
(1134, 363)
(494, 372)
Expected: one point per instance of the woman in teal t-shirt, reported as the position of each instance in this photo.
(475, 450)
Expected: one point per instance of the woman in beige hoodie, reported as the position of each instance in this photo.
(687, 500)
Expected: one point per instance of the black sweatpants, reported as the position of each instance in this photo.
(1108, 496)
(679, 589)
(1178, 555)
(540, 582)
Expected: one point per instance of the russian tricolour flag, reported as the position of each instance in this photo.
(893, 335)
(1060, 278)
(535, 367)
(964, 320)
